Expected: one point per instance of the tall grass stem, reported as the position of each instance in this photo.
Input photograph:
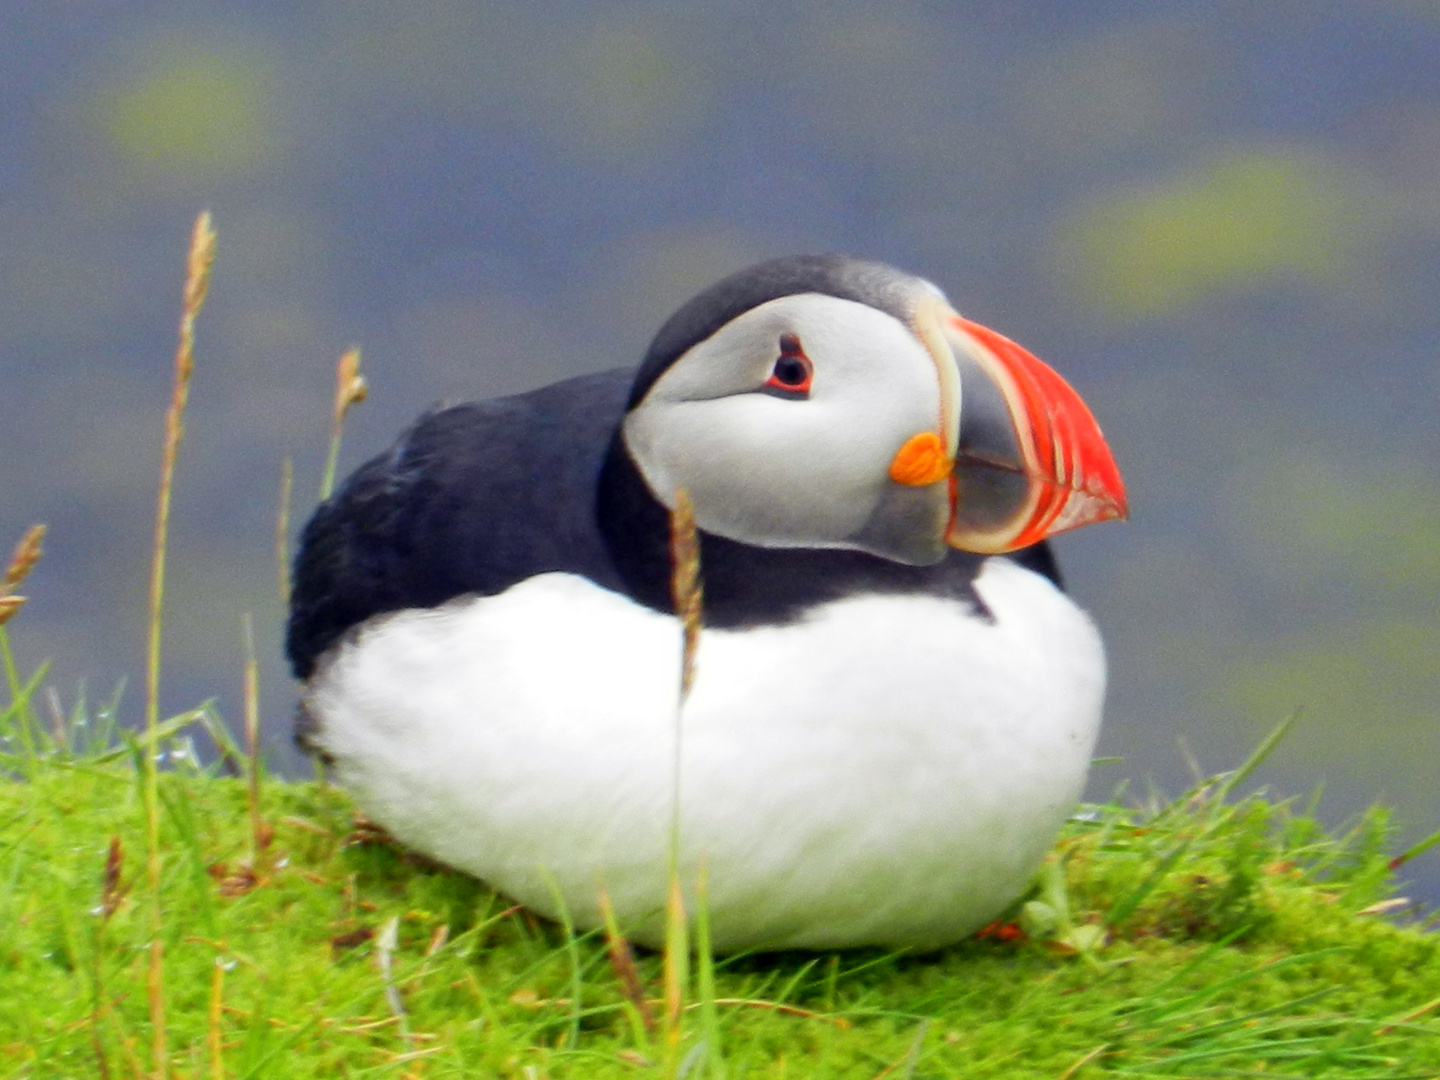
(197, 283)
(688, 600)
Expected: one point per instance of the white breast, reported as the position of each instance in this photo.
(888, 771)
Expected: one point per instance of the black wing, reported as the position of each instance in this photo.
(471, 499)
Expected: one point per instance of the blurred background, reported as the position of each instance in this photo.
(1220, 220)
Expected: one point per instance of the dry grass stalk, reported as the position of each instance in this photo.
(113, 888)
(27, 554)
(350, 390)
(780, 1007)
(112, 894)
(687, 597)
(197, 283)
(622, 962)
(350, 386)
(282, 529)
(686, 591)
(9, 605)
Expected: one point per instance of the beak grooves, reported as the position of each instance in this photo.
(1071, 476)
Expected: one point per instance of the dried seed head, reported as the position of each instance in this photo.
(622, 962)
(350, 386)
(686, 591)
(113, 890)
(9, 605)
(27, 554)
(198, 263)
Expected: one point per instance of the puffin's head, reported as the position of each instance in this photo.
(824, 401)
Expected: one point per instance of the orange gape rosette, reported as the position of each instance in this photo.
(922, 460)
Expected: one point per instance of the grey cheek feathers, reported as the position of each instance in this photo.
(905, 524)
(735, 506)
(908, 525)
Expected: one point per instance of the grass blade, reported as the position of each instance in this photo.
(677, 970)
(705, 978)
(1128, 904)
(1415, 849)
(1257, 757)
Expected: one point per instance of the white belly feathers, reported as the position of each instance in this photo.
(888, 771)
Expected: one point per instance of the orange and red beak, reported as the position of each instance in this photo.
(1026, 459)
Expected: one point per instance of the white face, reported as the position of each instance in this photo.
(784, 469)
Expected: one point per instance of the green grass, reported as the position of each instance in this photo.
(1212, 936)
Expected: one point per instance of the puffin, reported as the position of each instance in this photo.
(894, 700)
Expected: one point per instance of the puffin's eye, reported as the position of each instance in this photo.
(792, 373)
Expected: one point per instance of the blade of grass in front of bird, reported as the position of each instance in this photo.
(677, 971)
(260, 832)
(687, 597)
(705, 977)
(687, 592)
(627, 974)
(572, 954)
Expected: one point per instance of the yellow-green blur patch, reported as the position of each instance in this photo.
(1249, 219)
(1359, 538)
(194, 114)
(623, 88)
(1371, 522)
(1369, 690)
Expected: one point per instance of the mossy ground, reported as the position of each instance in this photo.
(1209, 937)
